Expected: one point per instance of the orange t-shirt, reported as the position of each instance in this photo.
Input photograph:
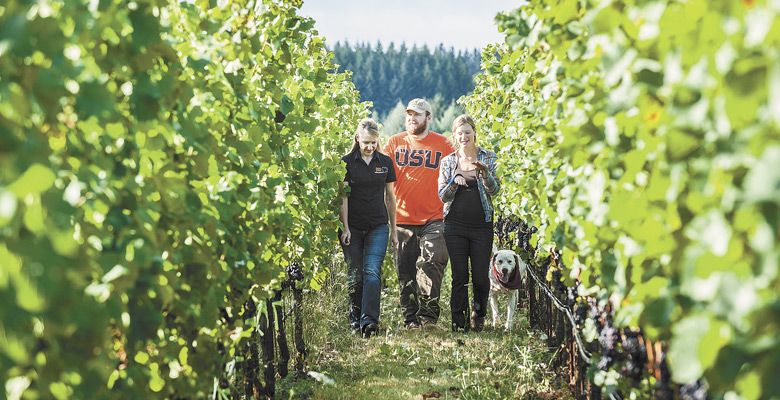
(417, 169)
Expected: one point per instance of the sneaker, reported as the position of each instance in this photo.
(461, 329)
(370, 329)
(413, 326)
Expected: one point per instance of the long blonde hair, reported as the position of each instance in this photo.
(366, 126)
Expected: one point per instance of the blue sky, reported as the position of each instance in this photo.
(462, 24)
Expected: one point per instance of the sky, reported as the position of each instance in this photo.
(461, 24)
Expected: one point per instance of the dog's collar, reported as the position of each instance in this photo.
(513, 283)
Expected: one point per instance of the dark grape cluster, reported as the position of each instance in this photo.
(524, 237)
(593, 310)
(694, 390)
(580, 312)
(604, 362)
(571, 296)
(557, 280)
(503, 228)
(295, 272)
(632, 344)
(636, 354)
(632, 370)
(608, 340)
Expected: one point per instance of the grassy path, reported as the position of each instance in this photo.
(428, 364)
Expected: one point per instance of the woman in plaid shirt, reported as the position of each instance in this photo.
(467, 183)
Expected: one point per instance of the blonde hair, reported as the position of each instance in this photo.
(366, 126)
(463, 119)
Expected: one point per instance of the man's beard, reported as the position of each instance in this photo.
(420, 128)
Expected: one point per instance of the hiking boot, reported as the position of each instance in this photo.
(370, 329)
(477, 323)
(429, 325)
(354, 327)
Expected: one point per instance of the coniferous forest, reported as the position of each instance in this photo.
(391, 76)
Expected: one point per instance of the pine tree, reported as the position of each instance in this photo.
(387, 76)
(443, 120)
(394, 121)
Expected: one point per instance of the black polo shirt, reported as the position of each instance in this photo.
(366, 204)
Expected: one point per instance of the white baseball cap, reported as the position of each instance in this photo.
(419, 106)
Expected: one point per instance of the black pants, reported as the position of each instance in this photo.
(466, 243)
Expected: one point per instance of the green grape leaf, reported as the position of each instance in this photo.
(35, 180)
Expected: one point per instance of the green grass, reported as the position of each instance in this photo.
(432, 363)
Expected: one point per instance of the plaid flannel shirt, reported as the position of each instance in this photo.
(487, 187)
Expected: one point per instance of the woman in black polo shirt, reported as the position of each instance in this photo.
(365, 212)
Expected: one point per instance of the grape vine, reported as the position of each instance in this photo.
(161, 163)
(642, 139)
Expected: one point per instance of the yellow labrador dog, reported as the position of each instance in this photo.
(507, 271)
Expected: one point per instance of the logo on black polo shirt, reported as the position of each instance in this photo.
(380, 170)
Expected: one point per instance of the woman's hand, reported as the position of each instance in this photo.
(482, 170)
(346, 236)
(393, 239)
(460, 180)
(481, 167)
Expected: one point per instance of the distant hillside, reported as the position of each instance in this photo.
(398, 74)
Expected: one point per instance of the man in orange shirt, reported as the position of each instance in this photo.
(422, 254)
